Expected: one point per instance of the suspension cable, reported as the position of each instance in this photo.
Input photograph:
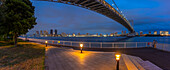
(116, 6)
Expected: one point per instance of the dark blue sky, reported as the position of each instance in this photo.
(148, 15)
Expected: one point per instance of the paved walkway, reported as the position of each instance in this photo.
(68, 59)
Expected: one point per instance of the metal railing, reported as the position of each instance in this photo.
(94, 44)
(161, 46)
(165, 47)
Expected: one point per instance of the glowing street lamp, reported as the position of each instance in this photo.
(58, 42)
(81, 47)
(46, 43)
(117, 59)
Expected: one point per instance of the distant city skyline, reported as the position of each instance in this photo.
(148, 15)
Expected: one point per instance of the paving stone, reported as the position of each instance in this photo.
(68, 59)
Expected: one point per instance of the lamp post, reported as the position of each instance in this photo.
(46, 43)
(81, 47)
(117, 59)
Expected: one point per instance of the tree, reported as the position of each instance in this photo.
(18, 18)
(2, 18)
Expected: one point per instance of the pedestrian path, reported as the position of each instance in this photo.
(69, 59)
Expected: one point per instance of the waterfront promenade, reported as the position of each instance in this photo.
(64, 55)
(68, 59)
(158, 57)
(62, 58)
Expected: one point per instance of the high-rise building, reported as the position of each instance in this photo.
(111, 34)
(141, 32)
(37, 32)
(116, 33)
(41, 32)
(164, 33)
(149, 32)
(78, 33)
(51, 31)
(155, 32)
(122, 33)
(97, 34)
(63, 34)
(101, 35)
(73, 34)
(34, 34)
(45, 32)
(55, 31)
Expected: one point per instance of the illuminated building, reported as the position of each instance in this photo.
(164, 33)
(155, 32)
(149, 32)
(122, 33)
(141, 32)
(78, 33)
(51, 32)
(41, 32)
(74, 35)
(37, 32)
(55, 32)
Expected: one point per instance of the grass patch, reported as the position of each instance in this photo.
(5, 43)
(9, 42)
(27, 56)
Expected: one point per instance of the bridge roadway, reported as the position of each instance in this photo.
(100, 6)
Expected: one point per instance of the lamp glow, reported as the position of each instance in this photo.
(46, 43)
(81, 47)
(58, 41)
(117, 59)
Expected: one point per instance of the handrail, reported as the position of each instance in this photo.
(161, 46)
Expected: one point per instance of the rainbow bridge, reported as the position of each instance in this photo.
(100, 6)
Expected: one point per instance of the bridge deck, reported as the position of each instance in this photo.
(68, 59)
(100, 6)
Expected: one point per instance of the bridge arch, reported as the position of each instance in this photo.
(99, 6)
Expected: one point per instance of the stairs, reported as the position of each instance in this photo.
(136, 63)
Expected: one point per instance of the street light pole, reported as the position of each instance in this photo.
(117, 59)
(117, 68)
(46, 43)
(81, 48)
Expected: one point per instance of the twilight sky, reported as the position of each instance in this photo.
(148, 15)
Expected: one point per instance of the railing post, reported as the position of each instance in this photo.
(136, 44)
(89, 44)
(100, 45)
(63, 42)
(71, 43)
(124, 44)
(163, 47)
(112, 44)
